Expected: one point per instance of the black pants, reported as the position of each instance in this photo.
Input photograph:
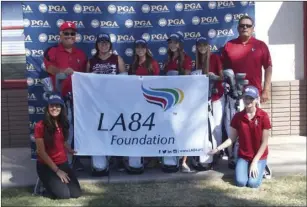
(55, 186)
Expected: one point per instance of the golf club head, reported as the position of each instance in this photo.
(228, 73)
(240, 76)
(213, 77)
(172, 72)
(197, 72)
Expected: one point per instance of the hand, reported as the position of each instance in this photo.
(71, 151)
(212, 152)
(264, 96)
(210, 73)
(69, 71)
(253, 170)
(63, 176)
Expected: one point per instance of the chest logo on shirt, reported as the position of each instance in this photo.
(253, 49)
(78, 61)
(256, 122)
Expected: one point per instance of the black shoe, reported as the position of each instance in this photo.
(77, 165)
(97, 173)
(267, 172)
(231, 163)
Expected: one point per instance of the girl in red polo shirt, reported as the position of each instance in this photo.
(211, 63)
(251, 126)
(51, 135)
(143, 63)
(178, 60)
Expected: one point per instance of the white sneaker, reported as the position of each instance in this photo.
(185, 168)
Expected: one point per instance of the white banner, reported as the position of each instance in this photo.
(140, 115)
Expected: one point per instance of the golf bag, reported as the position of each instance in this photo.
(233, 87)
(205, 162)
(133, 165)
(170, 164)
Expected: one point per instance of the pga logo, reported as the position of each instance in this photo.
(30, 67)
(105, 24)
(129, 52)
(225, 4)
(113, 38)
(28, 38)
(236, 17)
(154, 8)
(171, 22)
(42, 37)
(138, 24)
(146, 36)
(31, 109)
(89, 38)
(34, 53)
(32, 97)
(129, 23)
(59, 22)
(212, 4)
(162, 50)
(214, 48)
(188, 7)
(36, 23)
(247, 3)
(208, 20)
(43, 8)
(51, 38)
(26, 9)
(125, 38)
(46, 96)
(159, 37)
(78, 38)
(86, 9)
(36, 110)
(93, 51)
(34, 82)
(191, 35)
(112, 9)
(220, 33)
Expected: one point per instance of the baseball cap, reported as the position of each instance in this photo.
(68, 25)
(201, 40)
(175, 36)
(103, 37)
(251, 91)
(141, 42)
(55, 98)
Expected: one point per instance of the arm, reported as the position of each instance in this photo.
(267, 64)
(41, 152)
(68, 148)
(232, 139)
(121, 65)
(264, 144)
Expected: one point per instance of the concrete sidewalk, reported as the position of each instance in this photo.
(287, 156)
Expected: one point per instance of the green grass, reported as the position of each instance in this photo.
(285, 191)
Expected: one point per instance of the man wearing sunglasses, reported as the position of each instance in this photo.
(246, 54)
(65, 58)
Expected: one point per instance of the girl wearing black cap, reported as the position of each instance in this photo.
(177, 59)
(51, 135)
(143, 63)
(211, 63)
(105, 62)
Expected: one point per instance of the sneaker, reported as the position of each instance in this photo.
(231, 163)
(185, 168)
(267, 174)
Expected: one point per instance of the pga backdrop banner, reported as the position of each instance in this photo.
(140, 116)
(124, 21)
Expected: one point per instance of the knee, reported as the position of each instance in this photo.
(253, 183)
(240, 182)
(62, 195)
(76, 194)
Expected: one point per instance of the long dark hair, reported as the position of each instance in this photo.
(170, 56)
(147, 64)
(97, 49)
(50, 127)
(203, 61)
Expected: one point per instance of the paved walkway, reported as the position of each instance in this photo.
(287, 156)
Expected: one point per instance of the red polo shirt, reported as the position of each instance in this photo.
(57, 153)
(141, 70)
(172, 65)
(250, 133)
(215, 67)
(248, 58)
(62, 59)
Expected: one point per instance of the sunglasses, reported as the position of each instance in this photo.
(69, 33)
(245, 25)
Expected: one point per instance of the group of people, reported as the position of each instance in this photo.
(244, 54)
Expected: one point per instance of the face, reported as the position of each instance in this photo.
(173, 45)
(140, 50)
(246, 28)
(249, 102)
(202, 48)
(54, 109)
(68, 37)
(104, 46)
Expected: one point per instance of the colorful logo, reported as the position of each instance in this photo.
(163, 97)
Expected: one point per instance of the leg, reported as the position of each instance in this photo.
(256, 182)
(52, 182)
(185, 167)
(218, 111)
(241, 173)
(73, 185)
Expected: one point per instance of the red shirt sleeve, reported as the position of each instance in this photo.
(187, 64)
(217, 64)
(39, 130)
(49, 57)
(266, 124)
(266, 57)
(155, 67)
(224, 57)
(235, 121)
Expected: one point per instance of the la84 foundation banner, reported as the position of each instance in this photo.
(140, 116)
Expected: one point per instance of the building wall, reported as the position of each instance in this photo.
(280, 25)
